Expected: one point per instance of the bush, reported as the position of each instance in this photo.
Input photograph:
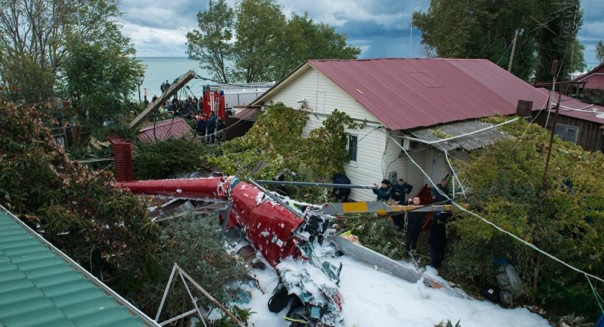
(377, 234)
(169, 158)
(192, 244)
(566, 219)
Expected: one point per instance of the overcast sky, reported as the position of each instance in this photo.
(380, 28)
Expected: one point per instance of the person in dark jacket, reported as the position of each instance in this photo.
(415, 222)
(341, 193)
(400, 190)
(438, 238)
(212, 127)
(383, 191)
(441, 192)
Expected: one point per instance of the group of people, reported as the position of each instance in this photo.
(415, 219)
(208, 128)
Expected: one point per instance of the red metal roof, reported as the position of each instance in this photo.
(172, 128)
(574, 108)
(409, 93)
(594, 79)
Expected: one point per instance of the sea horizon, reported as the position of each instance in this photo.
(161, 69)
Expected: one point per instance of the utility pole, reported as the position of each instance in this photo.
(513, 50)
(553, 70)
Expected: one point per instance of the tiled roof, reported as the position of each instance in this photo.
(40, 286)
(166, 129)
(411, 93)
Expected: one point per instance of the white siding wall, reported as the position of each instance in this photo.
(377, 155)
(321, 95)
(397, 160)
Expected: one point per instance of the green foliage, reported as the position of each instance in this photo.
(193, 245)
(377, 234)
(210, 45)
(593, 96)
(99, 76)
(104, 229)
(276, 140)
(243, 314)
(255, 42)
(565, 219)
(168, 158)
(600, 51)
(60, 44)
(486, 29)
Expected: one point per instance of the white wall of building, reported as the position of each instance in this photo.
(377, 154)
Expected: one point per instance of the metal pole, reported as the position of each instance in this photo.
(313, 184)
(168, 286)
(139, 93)
(551, 140)
(513, 50)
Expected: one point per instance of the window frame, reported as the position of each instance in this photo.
(566, 128)
(356, 147)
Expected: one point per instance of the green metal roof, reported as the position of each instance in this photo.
(41, 286)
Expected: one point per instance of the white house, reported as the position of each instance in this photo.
(426, 99)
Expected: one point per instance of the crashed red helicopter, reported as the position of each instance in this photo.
(283, 231)
(275, 229)
(284, 234)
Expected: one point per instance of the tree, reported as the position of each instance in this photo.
(99, 76)
(566, 221)
(74, 46)
(108, 231)
(211, 44)
(600, 51)
(486, 29)
(266, 45)
(276, 140)
(559, 24)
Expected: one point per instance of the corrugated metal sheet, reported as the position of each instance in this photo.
(40, 287)
(411, 93)
(594, 79)
(166, 129)
(468, 143)
(571, 107)
(247, 114)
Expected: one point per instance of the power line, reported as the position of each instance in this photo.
(530, 245)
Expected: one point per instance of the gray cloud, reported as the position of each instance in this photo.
(379, 28)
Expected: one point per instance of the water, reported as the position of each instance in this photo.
(160, 69)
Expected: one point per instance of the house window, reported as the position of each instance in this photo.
(352, 147)
(567, 132)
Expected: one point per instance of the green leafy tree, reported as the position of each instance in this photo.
(260, 30)
(309, 40)
(75, 47)
(276, 141)
(566, 220)
(99, 76)
(104, 229)
(255, 42)
(557, 36)
(600, 51)
(211, 45)
(486, 29)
